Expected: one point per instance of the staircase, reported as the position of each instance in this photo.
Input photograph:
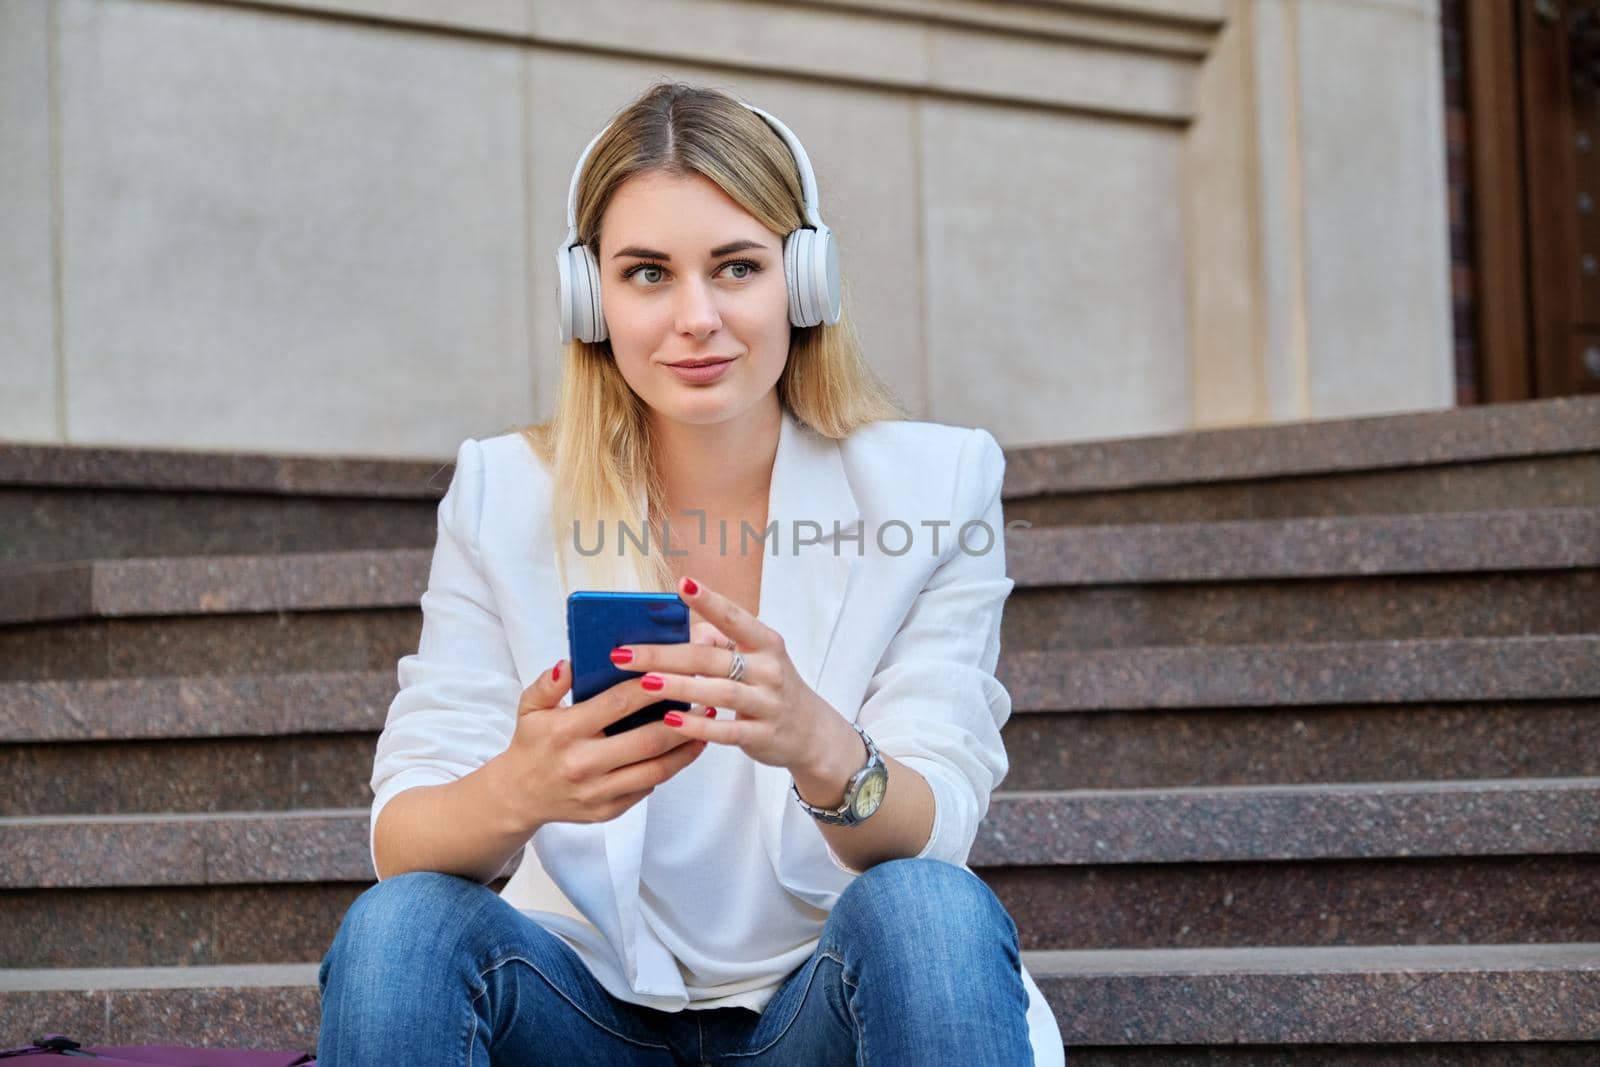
(1305, 751)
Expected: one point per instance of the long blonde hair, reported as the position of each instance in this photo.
(596, 443)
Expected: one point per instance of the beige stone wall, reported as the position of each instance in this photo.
(329, 225)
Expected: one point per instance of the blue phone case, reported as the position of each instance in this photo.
(599, 621)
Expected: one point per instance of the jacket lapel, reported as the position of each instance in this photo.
(803, 587)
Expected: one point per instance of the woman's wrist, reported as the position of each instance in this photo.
(834, 757)
(508, 813)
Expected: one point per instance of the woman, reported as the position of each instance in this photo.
(777, 876)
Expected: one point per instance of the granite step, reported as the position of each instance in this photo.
(1350, 609)
(1223, 824)
(1463, 900)
(1507, 573)
(1545, 453)
(191, 744)
(273, 773)
(1455, 862)
(1535, 454)
(196, 707)
(1540, 541)
(1262, 714)
(289, 642)
(1137, 718)
(1321, 579)
(1500, 1004)
(298, 612)
(214, 585)
(60, 503)
(1112, 750)
(1286, 745)
(1304, 675)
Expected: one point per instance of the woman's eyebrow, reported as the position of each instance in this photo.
(721, 250)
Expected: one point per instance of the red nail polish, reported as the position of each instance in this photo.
(689, 586)
(620, 656)
(652, 682)
(711, 713)
(555, 672)
(672, 718)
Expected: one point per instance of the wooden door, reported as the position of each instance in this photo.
(1533, 71)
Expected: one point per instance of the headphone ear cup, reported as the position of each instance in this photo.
(593, 322)
(578, 296)
(829, 286)
(811, 268)
(792, 275)
(565, 314)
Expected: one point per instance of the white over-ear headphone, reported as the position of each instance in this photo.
(810, 258)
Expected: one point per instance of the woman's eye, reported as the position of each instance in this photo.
(739, 270)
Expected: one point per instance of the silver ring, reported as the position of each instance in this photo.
(736, 668)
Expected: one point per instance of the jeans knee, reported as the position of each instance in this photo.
(413, 914)
(920, 902)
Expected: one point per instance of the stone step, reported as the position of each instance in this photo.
(1147, 1006)
(68, 502)
(1261, 714)
(211, 615)
(1543, 539)
(1498, 604)
(1303, 675)
(191, 744)
(310, 611)
(61, 503)
(1478, 900)
(1546, 540)
(1233, 824)
(1463, 900)
(274, 773)
(1392, 742)
(1419, 862)
(1471, 574)
(1223, 824)
(1345, 996)
(1140, 718)
(1084, 750)
(214, 585)
(125, 649)
(196, 707)
(1535, 454)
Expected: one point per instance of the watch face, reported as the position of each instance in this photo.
(870, 794)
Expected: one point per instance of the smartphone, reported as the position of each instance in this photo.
(599, 621)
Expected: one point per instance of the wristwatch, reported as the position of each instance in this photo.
(862, 796)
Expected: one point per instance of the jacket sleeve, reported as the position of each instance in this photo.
(456, 708)
(934, 703)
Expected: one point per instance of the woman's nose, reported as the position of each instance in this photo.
(697, 308)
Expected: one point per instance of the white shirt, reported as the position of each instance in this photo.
(708, 893)
(897, 628)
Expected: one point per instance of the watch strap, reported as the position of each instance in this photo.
(844, 814)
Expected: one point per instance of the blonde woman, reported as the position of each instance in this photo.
(778, 875)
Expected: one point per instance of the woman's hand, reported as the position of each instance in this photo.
(561, 767)
(777, 718)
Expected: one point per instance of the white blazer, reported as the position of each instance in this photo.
(899, 627)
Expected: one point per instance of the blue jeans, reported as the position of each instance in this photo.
(917, 964)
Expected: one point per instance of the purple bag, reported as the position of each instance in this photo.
(57, 1046)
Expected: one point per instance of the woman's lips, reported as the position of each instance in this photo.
(700, 375)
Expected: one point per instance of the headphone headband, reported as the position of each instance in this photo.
(808, 178)
(810, 256)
